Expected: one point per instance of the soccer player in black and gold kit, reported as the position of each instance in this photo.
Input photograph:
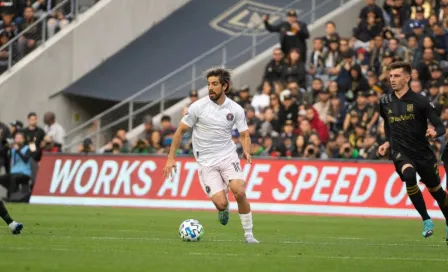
(406, 115)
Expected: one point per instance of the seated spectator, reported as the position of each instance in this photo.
(20, 166)
(317, 125)
(316, 65)
(243, 97)
(295, 69)
(323, 105)
(421, 6)
(115, 146)
(56, 22)
(262, 100)
(148, 128)
(367, 29)
(332, 57)
(275, 68)
(440, 37)
(371, 6)
(336, 114)
(369, 150)
(419, 18)
(86, 146)
(8, 27)
(156, 142)
(4, 54)
(288, 110)
(398, 12)
(194, 96)
(125, 144)
(141, 147)
(54, 129)
(331, 33)
(31, 38)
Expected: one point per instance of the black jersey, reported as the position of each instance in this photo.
(406, 122)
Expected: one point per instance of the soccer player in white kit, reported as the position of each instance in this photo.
(212, 119)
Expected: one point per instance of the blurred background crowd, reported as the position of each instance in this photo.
(323, 102)
(319, 102)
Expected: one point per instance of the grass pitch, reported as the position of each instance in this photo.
(64, 238)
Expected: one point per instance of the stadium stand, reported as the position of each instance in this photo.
(327, 107)
(26, 24)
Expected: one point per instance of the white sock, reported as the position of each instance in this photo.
(246, 222)
(13, 225)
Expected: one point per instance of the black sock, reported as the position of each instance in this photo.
(440, 196)
(4, 213)
(417, 200)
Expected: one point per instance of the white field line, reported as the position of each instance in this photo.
(245, 256)
(280, 241)
(324, 257)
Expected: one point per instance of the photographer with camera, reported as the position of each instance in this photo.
(20, 157)
(348, 152)
(114, 146)
(141, 147)
(311, 152)
(86, 146)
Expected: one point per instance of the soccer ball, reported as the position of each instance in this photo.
(191, 230)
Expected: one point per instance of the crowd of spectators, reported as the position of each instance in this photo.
(21, 149)
(325, 103)
(18, 15)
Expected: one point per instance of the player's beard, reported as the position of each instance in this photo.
(214, 96)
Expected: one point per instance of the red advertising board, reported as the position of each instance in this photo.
(293, 186)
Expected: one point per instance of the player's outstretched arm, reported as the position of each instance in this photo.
(246, 143)
(177, 139)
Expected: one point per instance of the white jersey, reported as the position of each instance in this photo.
(212, 129)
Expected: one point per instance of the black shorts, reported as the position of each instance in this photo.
(428, 170)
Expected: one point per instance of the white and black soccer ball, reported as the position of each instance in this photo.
(191, 230)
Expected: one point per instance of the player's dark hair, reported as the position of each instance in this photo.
(407, 68)
(222, 73)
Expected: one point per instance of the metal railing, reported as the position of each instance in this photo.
(36, 31)
(221, 54)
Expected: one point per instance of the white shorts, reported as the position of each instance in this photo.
(216, 178)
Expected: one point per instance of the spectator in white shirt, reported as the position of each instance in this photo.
(262, 100)
(54, 129)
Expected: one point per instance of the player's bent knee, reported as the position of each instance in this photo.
(221, 205)
(220, 201)
(240, 195)
(409, 175)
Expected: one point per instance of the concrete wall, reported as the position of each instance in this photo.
(251, 72)
(34, 83)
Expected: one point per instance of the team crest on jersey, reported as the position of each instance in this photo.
(410, 107)
(229, 117)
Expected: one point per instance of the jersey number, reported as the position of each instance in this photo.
(237, 166)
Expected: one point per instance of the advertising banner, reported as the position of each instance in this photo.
(291, 186)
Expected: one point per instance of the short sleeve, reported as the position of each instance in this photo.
(240, 120)
(190, 118)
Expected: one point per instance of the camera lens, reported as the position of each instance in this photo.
(347, 149)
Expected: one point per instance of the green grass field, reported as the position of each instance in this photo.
(58, 238)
